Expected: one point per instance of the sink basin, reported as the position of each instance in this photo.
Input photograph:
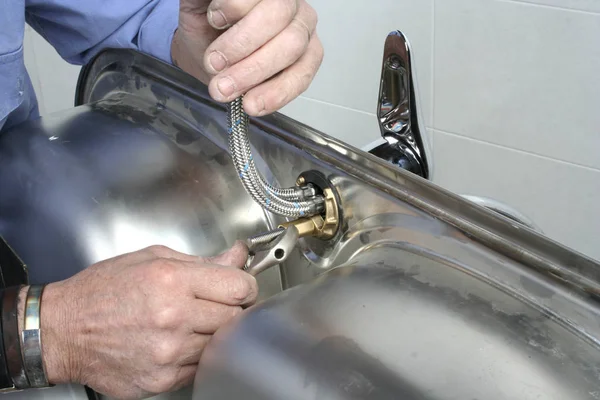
(422, 294)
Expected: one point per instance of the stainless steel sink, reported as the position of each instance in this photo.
(422, 294)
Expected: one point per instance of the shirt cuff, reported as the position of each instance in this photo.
(156, 34)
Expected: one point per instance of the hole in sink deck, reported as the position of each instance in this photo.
(319, 250)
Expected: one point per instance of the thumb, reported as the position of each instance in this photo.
(236, 256)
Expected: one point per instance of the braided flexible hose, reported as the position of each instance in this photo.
(286, 202)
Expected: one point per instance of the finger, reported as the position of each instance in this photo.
(206, 317)
(236, 256)
(192, 349)
(281, 52)
(185, 376)
(211, 352)
(224, 13)
(263, 23)
(229, 286)
(293, 81)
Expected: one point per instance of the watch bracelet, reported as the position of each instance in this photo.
(11, 343)
(31, 339)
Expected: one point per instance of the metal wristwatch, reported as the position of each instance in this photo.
(31, 339)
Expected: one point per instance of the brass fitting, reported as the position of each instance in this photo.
(319, 226)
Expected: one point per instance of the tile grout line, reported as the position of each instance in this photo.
(370, 114)
(432, 76)
(432, 71)
(520, 151)
(542, 5)
(433, 129)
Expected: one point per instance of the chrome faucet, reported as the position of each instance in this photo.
(398, 110)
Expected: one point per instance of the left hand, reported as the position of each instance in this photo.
(136, 325)
(265, 49)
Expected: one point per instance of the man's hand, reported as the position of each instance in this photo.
(266, 49)
(136, 325)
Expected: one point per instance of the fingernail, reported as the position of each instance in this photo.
(260, 106)
(226, 86)
(217, 61)
(217, 19)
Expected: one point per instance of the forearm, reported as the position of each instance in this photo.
(78, 30)
(57, 338)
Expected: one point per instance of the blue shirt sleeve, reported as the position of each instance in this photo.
(79, 29)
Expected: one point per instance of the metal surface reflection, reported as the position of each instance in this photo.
(504, 210)
(88, 186)
(438, 298)
(395, 323)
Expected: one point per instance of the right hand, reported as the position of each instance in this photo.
(136, 325)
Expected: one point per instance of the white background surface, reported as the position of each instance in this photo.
(510, 93)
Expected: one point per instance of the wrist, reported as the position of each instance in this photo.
(56, 328)
(184, 60)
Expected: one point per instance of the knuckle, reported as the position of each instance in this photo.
(291, 7)
(165, 353)
(166, 318)
(320, 51)
(280, 96)
(255, 70)
(317, 53)
(290, 89)
(240, 287)
(315, 16)
(159, 251)
(301, 36)
(296, 82)
(164, 273)
(311, 16)
(304, 80)
(242, 40)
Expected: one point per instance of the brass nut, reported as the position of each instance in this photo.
(332, 216)
(318, 226)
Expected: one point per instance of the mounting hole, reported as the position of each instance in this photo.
(279, 254)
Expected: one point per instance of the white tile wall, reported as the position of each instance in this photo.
(510, 88)
(520, 75)
(353, 35)
(561, 198)
(353, 126)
